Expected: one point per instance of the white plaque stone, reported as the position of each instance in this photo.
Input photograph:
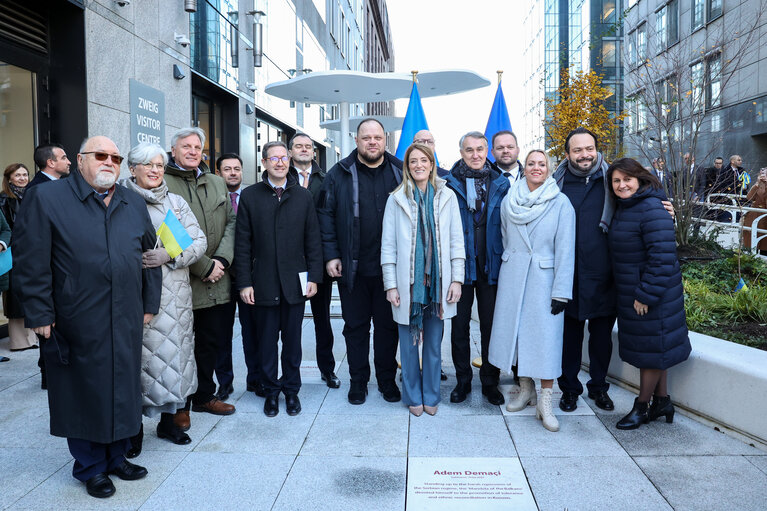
(447, 484)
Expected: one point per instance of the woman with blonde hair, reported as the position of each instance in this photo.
(534, 285)
(422, 257)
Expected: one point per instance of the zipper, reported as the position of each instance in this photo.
(587, 179)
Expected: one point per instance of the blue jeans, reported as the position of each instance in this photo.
(421, 387)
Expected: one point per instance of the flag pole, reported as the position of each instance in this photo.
(500, 72)
(414, 73)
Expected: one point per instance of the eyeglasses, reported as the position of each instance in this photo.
(423, 141)
(158, 166)
(275, 159)
(116, 158)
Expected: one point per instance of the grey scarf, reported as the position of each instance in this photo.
(600, 166)
(521, 206)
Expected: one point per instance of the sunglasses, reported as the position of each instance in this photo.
(116, 158)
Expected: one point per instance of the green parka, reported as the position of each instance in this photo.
(207, 196)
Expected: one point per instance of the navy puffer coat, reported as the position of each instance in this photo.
(646, 269)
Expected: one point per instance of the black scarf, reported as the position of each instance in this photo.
(18, 191)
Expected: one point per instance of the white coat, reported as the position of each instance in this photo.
(537, 265)
(168, 368)
(398, 246)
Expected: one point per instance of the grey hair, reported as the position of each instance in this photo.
(472, 134)
(269, 145)
(186, 132)
(146, 152)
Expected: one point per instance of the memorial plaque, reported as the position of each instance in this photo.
(448, 484)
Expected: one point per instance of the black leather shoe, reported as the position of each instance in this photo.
(492, 394)
(136, 442)
(442, 375)
(636, 417)
(458, 395)
(602, 400)
(100, 486)
(292, 404)
(224, 392)
(390, 391)
(331, 379)
(270, 406)
(568, 402)
(357, 392)
(256, 388)
(173, 433)
(127, 471)
(659, 407)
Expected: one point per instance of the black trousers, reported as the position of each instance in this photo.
(92, 458)
(366, 302)
(224, 371)
(460, 337)
(210, 330)
(323, 332)
(600, 351)
(272, 321)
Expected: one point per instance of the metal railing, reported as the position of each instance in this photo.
(737, 216)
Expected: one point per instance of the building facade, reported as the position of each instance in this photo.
(578, 35)
(696, 80)
(140, 70)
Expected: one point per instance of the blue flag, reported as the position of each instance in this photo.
(6, 261)
(498, 120)
(415, 121)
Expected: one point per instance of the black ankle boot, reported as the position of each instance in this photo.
(136, 442)
(659, 407)
(636, 417)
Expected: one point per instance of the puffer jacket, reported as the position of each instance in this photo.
(646, 269)
(398, 247)
(208, 199)
(168, 369)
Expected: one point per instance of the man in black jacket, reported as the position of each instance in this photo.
(52, 164)
(310, 176)
(278, 261)
(351, 220)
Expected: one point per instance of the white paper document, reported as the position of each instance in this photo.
(303, 280)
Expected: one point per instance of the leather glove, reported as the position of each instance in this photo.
(155, 257)
(557, 306)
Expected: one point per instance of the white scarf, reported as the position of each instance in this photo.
(524, 206)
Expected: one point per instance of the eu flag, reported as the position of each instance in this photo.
(415, 121)
(498, 120)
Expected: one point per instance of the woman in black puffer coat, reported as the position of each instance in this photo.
(652, 328)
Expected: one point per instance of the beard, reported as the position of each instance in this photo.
(105, 179)
(368, 157)
(585, 164)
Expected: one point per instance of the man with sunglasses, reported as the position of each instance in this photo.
(87, 296)
(188, 176)
(278, 261)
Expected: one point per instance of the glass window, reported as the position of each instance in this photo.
(714, 9)
(673, 21)
(661, 22)
(671, 97)
(608, 11)
(641, 43)
(609, 53)
(17, 122)
(632, 49)
(696, 85)
(714, 81)
(698, 13)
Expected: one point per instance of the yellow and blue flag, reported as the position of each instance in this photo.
(498, 119)
(173, 235)
(741, 286)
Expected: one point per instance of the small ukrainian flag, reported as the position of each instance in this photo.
(741, 286)
(745, 180)
(173, 235)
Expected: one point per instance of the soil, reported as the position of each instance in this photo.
(750, 334)
(695, 253)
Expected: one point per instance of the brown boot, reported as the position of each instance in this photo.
(214, 406)
(181, 420)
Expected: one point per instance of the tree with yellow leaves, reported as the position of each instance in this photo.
(581, 104)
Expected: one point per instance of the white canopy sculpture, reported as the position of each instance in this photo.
(344, 87)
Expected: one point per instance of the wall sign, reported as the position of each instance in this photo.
(147, 112)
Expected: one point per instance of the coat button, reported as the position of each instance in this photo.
(276, 298)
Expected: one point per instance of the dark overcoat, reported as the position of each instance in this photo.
(593, 284)
(646, 269)
(499, 186)
(82, 271)
(338, 213)
(275, 240)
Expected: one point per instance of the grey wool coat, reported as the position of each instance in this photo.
(168, 368)
(537, 266)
